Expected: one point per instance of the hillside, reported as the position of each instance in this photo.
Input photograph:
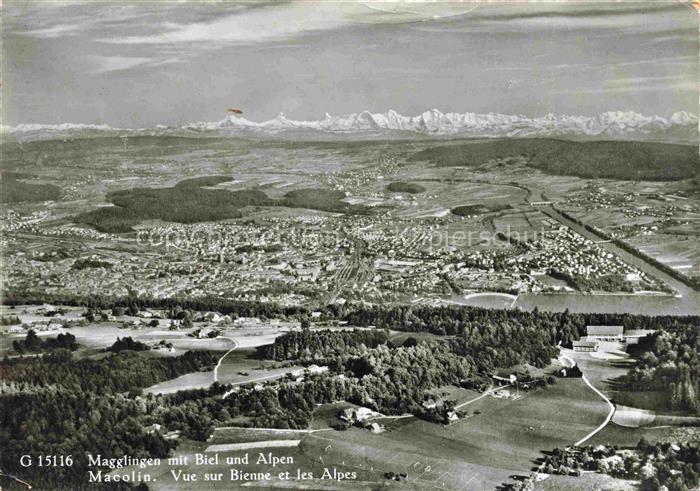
(599, 159)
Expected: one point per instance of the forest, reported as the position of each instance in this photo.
(34, 344)
(658, 466)
(318, 345)
(669, 362)
(642, 161)
(14, 189)
(194, 200)
(55, 405)
(121, 372)
(405, 187)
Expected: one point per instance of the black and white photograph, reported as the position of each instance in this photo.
(340, 245)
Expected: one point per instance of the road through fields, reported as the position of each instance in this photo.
(611, 406)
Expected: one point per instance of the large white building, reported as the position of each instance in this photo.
(605, 333)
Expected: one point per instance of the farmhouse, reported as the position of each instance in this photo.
(605, 333)
(360, 414)
(585, 346)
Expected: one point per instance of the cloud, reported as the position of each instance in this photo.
(107, 64)
(280, 21)
(673, 60)
(59, 30)
(618, 87)
(248, 26)
(581, 11)
(639, 81)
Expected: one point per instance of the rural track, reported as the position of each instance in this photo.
(258, 379)
(216, 368)
(609, 403)
(277, 430)
(490, 390)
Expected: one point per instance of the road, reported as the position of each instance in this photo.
(216, 368)
(488, 392)
(611, 406)
(271, 430)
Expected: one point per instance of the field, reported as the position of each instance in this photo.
(586, 482)
(239, 366)
(308, 459)
(483, 449)
(501, 438)
(441, 197)
(679, 252)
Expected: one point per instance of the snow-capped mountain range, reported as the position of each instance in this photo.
(619, 125)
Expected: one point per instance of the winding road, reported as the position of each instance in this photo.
(216, 368)
(610, 405)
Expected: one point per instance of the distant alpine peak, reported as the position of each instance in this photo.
(681, 126)
(611, 124)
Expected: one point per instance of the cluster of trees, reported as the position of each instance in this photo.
(321, 345)
(86, 263)
(133, 304)
(34, 344)
(55, 405)
(186, 204)
(9, 320)
(439, 414)
(670, 362)
(490, 338)
(60, 421)
(128, 344)
(677, 467)
(385, 379)
(405, 187)
(123, 371)
(607, 283)
(320, 199)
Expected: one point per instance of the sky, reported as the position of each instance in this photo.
(129, 64)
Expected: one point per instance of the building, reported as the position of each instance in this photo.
(605, 333)
(585, 346)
